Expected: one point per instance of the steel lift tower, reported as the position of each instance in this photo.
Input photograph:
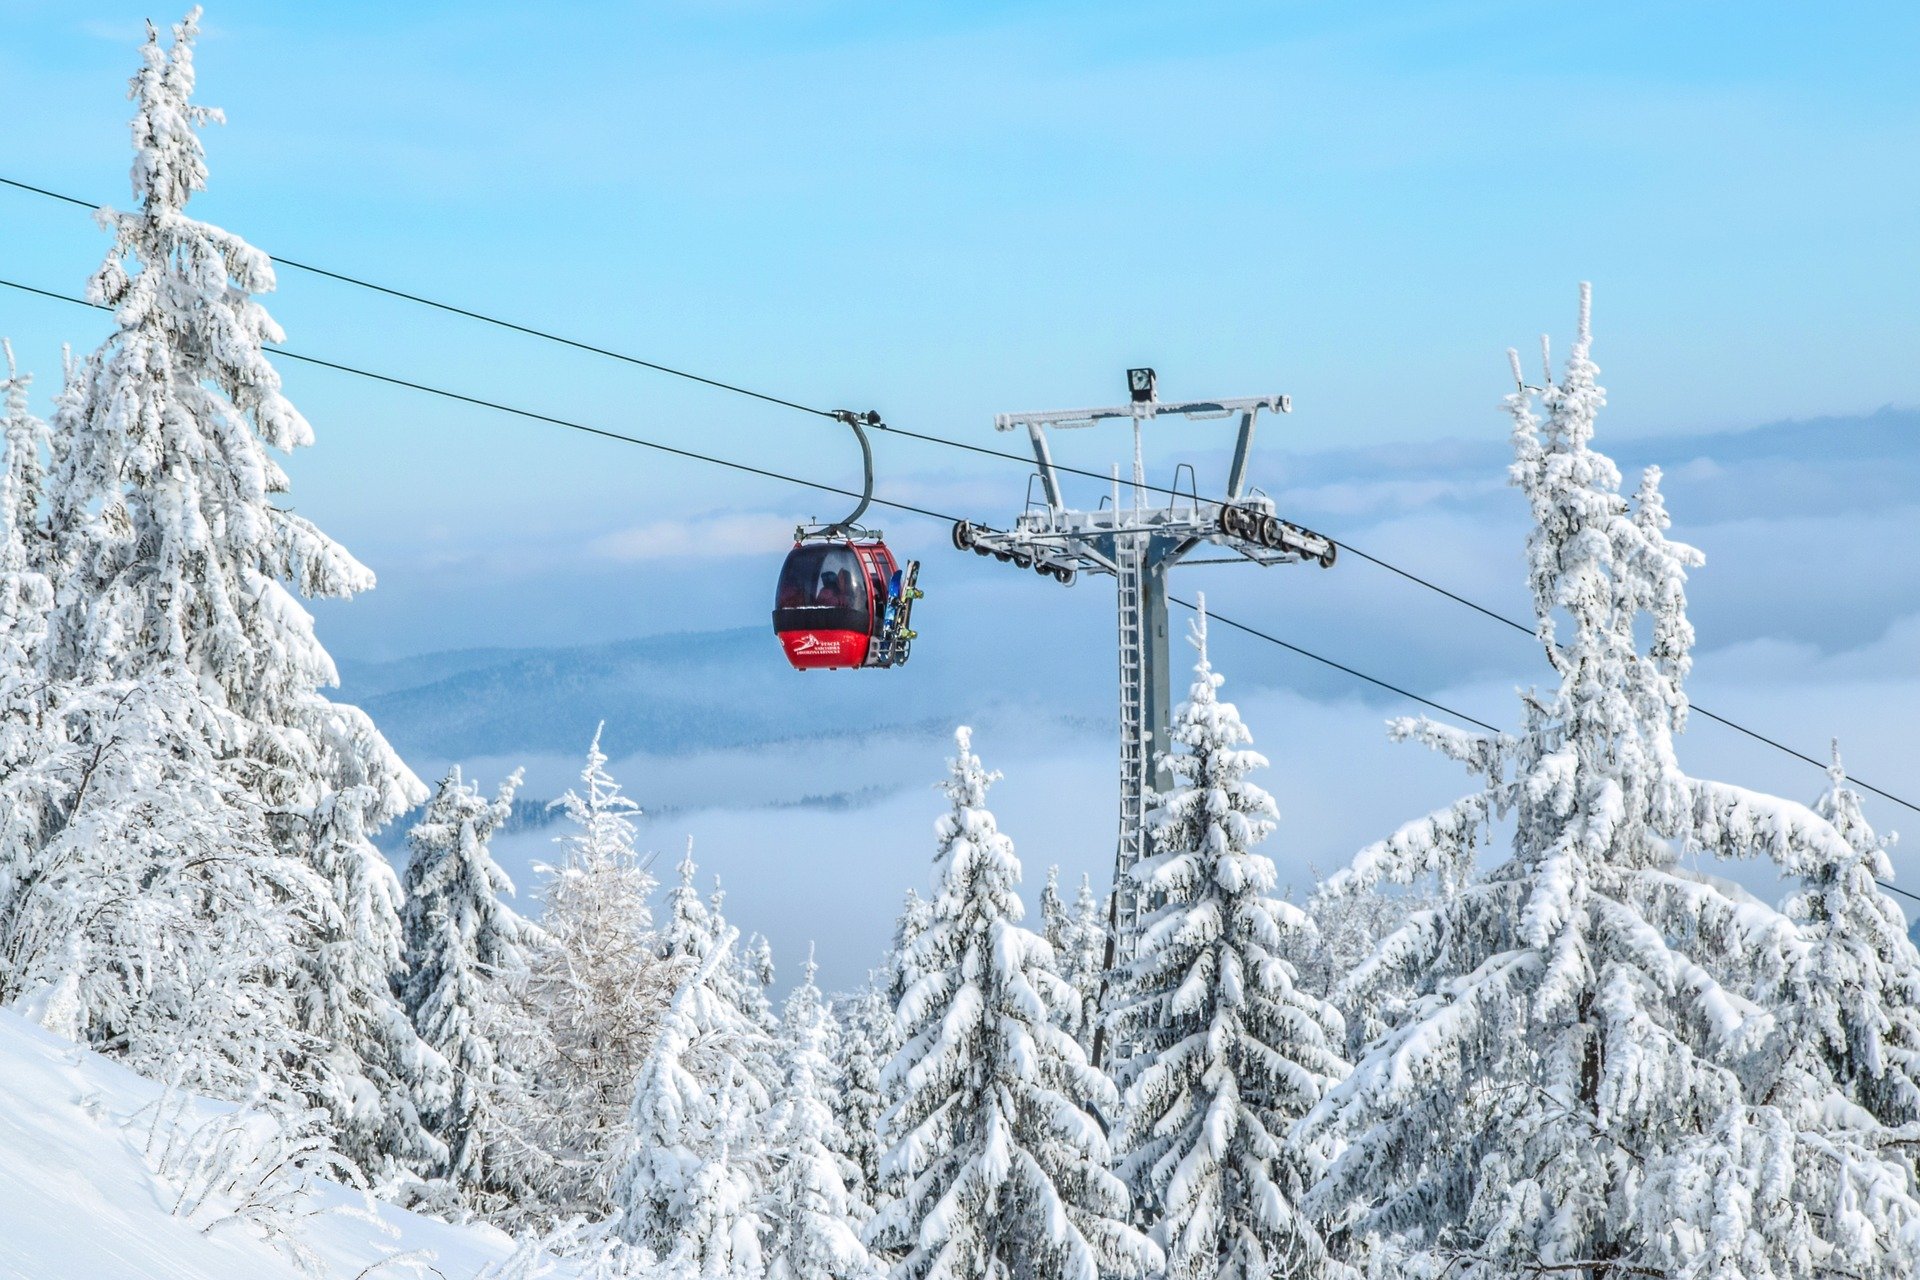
(1138, 539)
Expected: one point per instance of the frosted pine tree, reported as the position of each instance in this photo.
(752, 977)
(866, 1042)
(1569, 1088)
(189, 677)
(1850, 1009)
(597, 986)
(1347, 928)
(693, 929)
(1078, 935)
(466, 969)
(916, 915)
(1225, 1051)
(1084, 961)
(25, 596)
(1860, 983)
(25, 591)
(693, 926)
(1055, 923)
(1004, 1169)
(811, 1213)
(692, 1183)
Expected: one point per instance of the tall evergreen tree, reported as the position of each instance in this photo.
(237, 800)
(25, 591)
(866, 1043)
(466, 968)
(1055, 922)
(693, 929)
(1078, 934)
(810, 1210)
(916, 916)
(1224, 1051)
(1005, 1169)
(691, 1188)
(598, 987)
(26, 594)
(1859, 983)
(1084, 961)
(1570, 1089)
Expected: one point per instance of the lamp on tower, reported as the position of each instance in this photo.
(1140, 385)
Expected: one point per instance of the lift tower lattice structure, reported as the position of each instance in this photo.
(1137, 539)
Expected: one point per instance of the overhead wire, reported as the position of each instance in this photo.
(945, 517)
(1023, 460)
(623, 438)
(482, 317)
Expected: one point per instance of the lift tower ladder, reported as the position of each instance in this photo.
(1137, 539)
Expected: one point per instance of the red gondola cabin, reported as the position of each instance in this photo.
(840, 603)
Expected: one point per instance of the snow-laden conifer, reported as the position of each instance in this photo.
(694, 924)
(1570, 1088)
(466, 970)
(916, 916)
(694, 927)
(1078, 935)
(1084, 961)
(597, 986)
(865, 1044)
(692, 1183)
(1004, 1168)
(1055, 922)
(25, 591)
(897, 974)
(192, 739)
(26, 594)
(1222, 1051)
(811, 1213)
(753, 977)
(1859, 984)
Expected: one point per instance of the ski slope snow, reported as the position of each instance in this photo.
(79, 1195)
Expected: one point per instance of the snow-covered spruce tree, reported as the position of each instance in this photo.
(466, 969)
(865, 1044)
(1853, 1003)
(190, 679)
(812, 1215)
(25, 592)
(1084, 962)
(1347, 928)
(1078, 937)
(1055, 922)
(597, 986)
(692, 1182)
(753, 977)
(1570, 1090)
(693, 929)
(1225, 1052)
(25, 596)
(1004, 1169)
(916, 916)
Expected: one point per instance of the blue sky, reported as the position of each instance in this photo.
(948, 211)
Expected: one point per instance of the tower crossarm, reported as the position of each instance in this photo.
(1138, 542)
(1066, 419)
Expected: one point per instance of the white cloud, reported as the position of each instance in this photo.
(710, 538)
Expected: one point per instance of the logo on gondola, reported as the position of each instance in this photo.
(814, 644)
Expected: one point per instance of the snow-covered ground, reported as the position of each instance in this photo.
(79, 1195)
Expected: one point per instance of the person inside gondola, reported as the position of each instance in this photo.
(830, 596)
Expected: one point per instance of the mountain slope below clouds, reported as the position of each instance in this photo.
(689, 691)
